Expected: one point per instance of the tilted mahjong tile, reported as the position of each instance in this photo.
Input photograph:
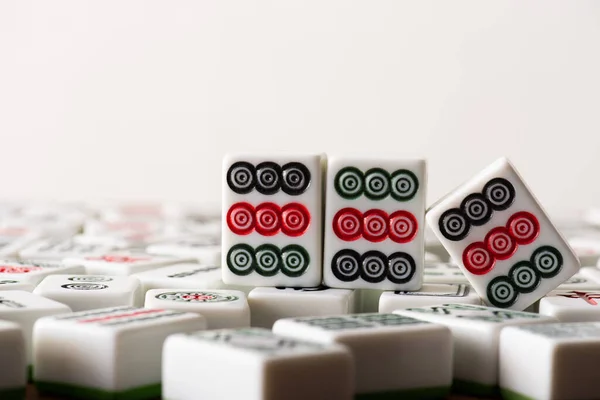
(182, 276)
(430, 294)
(572, 305)
(16, 283)
(395, 356)
(270, 304)
(475, 330)
(443, 273)
(272, 226)
(553, 361)
(25, 309)
(265, 367)
(374, 223)
(585, 279)
(123, 263)
(206, 250)
(111, 353)
(87, 292)
(221, 308)
(13, 367)
(34, 271)
(59, 249)
(502, 239)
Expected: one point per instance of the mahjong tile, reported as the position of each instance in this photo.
(34, 271)
(430, 294)
(123, 263)
(502, 239)
(13, 366)
(203, 249)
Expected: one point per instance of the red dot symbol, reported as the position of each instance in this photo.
(477, 259)
(295, 219)
(500, 243)
(347, 224)
(523, 227)
(403, 226)
(240, 218)
(268, 219)
(375, 225)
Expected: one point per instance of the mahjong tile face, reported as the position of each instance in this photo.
(271, 233)
(34, 271)
(469, 312)
(501, 238)
(374, 223)
(572, 305)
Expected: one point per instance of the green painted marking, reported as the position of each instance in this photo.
(12, 394)
(423, 393)
(510, 395)
(474, 388)
(61, 389)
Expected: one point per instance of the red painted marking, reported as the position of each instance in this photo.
(347, 224)
(128, 315)
(241, 218)
(201, 297)
(477, 259)
(523, 227)
(268, 219)
(500, 243)
(403, 226)
(295, 219)
(375, 225)
(118, 259)
(587, 297)
(8, 269)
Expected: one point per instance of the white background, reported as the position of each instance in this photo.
(140, 100)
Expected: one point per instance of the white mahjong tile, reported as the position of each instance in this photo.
(430, 294)
(497, 232)
(87, 292)
(587, 249)
(16, 283)
(13, 366)
(25, 309)
(182, 276)
(374, 223)
(395, 356)
(221, 308)
(270, 304)
(443, 273)
(34, 271)
(272, 227)
(552, 361)
(588, 278)
(265, 366)
(572, 305)
(106, 353)
(475, 330)
(123, 263)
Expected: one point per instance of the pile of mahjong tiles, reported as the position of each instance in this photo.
(317, 279)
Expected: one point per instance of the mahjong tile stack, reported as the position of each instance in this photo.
(500, 236)
(272, 231)
(374, 223)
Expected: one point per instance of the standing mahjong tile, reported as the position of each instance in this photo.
(374, 223)
(502, 239)
(272, 209)
(475, 330)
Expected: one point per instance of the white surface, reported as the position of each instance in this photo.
(443, 273)
(25, 309)
(265, 366)
(429, 295)
(88, 292)
(572, 306)
(475, 331)
(34, 272)
(181, 276)
(523, 201)
(353, 270)
(545, 362)
(391, 352)
(141, 99)
(270, 304)
(221, 308)
(12, 357)
(122, 263)
(310, 240)
(86, 349)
